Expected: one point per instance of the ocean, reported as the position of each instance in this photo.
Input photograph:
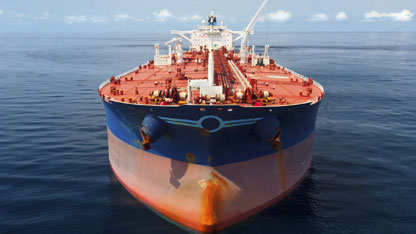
(54, 172)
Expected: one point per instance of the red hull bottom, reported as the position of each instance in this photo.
(203, 198)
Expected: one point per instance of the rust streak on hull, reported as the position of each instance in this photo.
(208, 199)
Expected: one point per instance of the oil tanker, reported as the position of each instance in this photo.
(210, 135)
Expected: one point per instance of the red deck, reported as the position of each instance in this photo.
(167, 85)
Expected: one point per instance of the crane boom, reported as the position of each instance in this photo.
(249, 30)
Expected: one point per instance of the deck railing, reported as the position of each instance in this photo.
(121, 75)
(317, 84)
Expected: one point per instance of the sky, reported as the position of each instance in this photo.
(161, 16)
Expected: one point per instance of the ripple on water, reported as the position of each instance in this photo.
(54, 173)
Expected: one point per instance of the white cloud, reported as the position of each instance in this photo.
(127, 17)
(44, 16)
(403, 16)
(165, 15)
(98, 19)
(190, 18)
(83, 19)
(123, 16)
(22, 16)
(279, 16)
(17, 15)
(162, 15)
(319, 17)
(75, 19)
(341, 16)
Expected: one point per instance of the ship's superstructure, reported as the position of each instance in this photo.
(208, 136)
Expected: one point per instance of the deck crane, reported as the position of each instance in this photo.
(179, 51)
(247, 32)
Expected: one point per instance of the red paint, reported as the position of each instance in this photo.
(208, 199)
(278, 82)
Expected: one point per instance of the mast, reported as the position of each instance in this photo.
(211, 67)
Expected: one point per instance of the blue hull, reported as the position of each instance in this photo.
(231, 139)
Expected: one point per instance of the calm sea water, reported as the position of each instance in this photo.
(54, 171)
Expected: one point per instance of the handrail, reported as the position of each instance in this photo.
(317, 84)
(121, 75)
(239, 75)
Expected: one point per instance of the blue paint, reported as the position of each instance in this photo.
(211, 123)
(220, 123)
(55, 175)
(233, 140)
(153, 127)
(267, 128)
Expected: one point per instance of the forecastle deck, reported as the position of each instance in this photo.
(242, 84)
